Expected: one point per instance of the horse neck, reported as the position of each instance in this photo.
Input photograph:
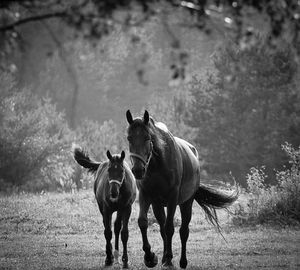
(161, 142)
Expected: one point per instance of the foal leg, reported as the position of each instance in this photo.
(150, 259)
(124, 235)
(186, 214)
(108, 235)
(117, 229)
(160, 216)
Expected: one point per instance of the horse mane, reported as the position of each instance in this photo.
(160, 135)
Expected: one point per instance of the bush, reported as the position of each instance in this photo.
(34, 141)
(279, 203)
(96, 139)
(243, 115)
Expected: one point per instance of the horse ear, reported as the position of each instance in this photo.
(109, 155)
(129, 117)
(122, 155)
(146, 117)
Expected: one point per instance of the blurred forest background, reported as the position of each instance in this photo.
(223, 75)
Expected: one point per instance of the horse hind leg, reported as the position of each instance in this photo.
(186, 214)
(125, 234)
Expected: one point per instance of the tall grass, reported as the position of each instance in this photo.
(279, 203)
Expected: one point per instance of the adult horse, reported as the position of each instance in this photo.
(168, 174)
(115, 190)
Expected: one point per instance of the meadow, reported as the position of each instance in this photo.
(65, 231)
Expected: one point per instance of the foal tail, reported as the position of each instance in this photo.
(84, 160)
(211, 199)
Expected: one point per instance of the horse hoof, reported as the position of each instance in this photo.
(109, 261)
(125, 265)
(150, 263)
(183, 263)
(167, 264)
(116, 255)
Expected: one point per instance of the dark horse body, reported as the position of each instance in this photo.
(168, 174)
(115, 190)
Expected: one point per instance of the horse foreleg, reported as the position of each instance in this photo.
(124, 235)
(117, 229)
(150, 259)
(186, 214)
(160, 216)
(108, 235)
(169, 227)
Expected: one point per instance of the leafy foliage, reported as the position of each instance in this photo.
(244, 115)
(279, 203)
(172, 111)
(34, 141)
(98, 138)
(94, 19)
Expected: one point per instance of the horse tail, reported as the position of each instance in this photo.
(83, 159)
(211, 199)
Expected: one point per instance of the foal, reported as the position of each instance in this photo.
(115, 190)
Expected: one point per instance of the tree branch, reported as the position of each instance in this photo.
(41, 17)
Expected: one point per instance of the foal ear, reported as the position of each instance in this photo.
(129, 117)
(122, 155)
(146, 117)
(109, 155)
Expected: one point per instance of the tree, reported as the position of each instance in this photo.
(280, 20)
(34, 141)
(242, 120)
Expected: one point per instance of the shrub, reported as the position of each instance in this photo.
(96, 139)
(243, 115)
(34, 141)
(279, 203)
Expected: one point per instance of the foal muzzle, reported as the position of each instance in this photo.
(115, 188)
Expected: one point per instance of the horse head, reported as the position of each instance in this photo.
(140, 143)
(116, 174)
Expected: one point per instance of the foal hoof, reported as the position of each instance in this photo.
(116, 255)
(152, 261)
(183, 263)
(125, 265)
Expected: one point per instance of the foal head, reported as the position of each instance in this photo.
(140, 143)
(116, 174)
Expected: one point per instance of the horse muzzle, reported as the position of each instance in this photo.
(114, 193)
(139, 173)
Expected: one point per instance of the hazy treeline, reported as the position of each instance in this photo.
(238, 115)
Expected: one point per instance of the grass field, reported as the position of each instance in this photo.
(64, 231)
